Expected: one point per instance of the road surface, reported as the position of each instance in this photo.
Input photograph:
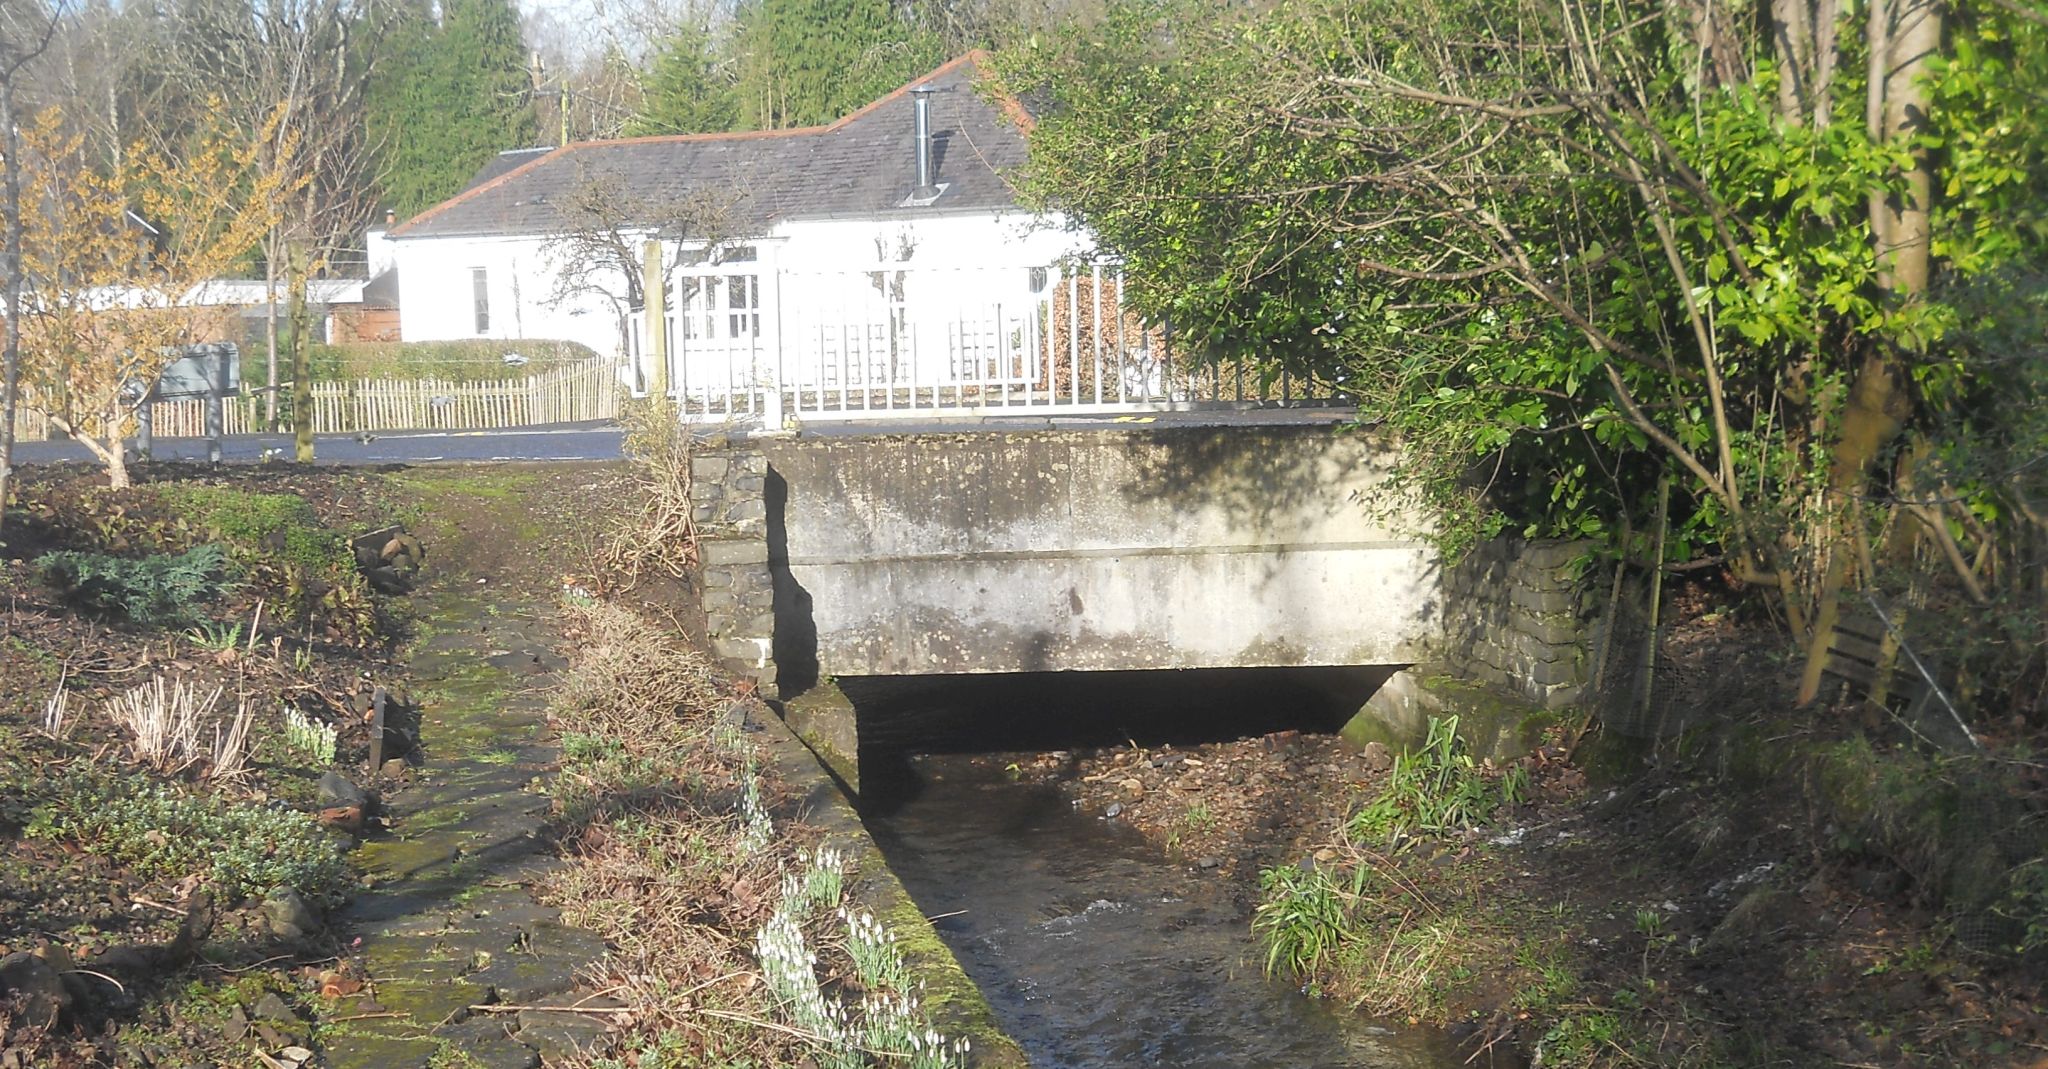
(600, 441)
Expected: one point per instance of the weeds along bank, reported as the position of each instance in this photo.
(184, 671)
(739, 937)
(1763, 894)
(742, 932)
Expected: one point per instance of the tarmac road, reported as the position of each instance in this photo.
(602, 441)
(582, 441)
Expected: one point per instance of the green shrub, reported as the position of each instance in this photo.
(1435, 788)
(305, 566)
(278, 527)
(471, 360)
(152, 591)
(1302, 919)
(164, 835)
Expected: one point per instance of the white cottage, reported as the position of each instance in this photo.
(877, 263)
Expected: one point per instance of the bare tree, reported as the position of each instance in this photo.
(311, 59)
(25, 32)
(603, 228)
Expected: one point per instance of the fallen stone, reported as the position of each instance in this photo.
(385, 579)
(236, 1027)
(561, 1033)
(1377, 757)
(489, 1043)
(1115, 810)
(517, 978)
(272, 1008)
(393, 769)
(1210, 862)
(348, 818)
(373, 1051)
(336, 791)
(39, 988)
(287, 914)
(1133, 788)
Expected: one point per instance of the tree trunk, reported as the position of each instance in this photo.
(10, 265)
(302, 384)
(1904, 35)
(1915, 39)
(116, 454)
(270, 333)
(1792, 41)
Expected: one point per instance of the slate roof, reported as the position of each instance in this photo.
(505, 163)
(863, 166)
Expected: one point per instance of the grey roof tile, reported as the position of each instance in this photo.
(862, 166)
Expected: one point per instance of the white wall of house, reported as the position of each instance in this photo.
(949, 269)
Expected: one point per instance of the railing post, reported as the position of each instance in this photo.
(768, 300)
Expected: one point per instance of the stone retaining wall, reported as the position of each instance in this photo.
(729, 489)
(1515, 620)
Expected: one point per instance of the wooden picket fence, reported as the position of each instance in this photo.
(583, 392)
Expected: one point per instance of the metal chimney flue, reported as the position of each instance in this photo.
(925, 189)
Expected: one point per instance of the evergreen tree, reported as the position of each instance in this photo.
(683, 90)
(805, 62)
(447, 98)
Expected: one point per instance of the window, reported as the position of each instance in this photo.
(743, 303)
(480, 294)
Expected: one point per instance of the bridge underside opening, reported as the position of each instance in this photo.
(898, 717)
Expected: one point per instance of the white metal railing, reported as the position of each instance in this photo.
(752, 343)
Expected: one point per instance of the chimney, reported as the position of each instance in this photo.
(390, 217)
(925, 189)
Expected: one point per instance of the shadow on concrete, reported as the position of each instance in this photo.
(795, 647)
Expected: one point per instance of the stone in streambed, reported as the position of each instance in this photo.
(336, 792)
(38, 987)
(287, 915)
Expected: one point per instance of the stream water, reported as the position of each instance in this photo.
(1094, 950)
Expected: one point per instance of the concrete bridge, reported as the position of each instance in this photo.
(1158, 548)
(1119, 548)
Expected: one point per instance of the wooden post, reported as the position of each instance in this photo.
(654, 299)
(1656, 598)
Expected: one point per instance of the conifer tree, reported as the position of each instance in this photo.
(805, 62)
(449, 97)
(683, 90)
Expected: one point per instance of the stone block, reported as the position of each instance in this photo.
(746, 509)
(717, 624)
(702, 513)
(708, 470)
(1542, 601)
(1556, 629)
(1527, 647)
(717, 600)
(750, 484)
(753, 652)
(734, 551)
(763, 624)
(753, 463)
(1551, 554)
(717, 578)
(1547, 673)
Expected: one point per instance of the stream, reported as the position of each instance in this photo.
(1095, 950)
